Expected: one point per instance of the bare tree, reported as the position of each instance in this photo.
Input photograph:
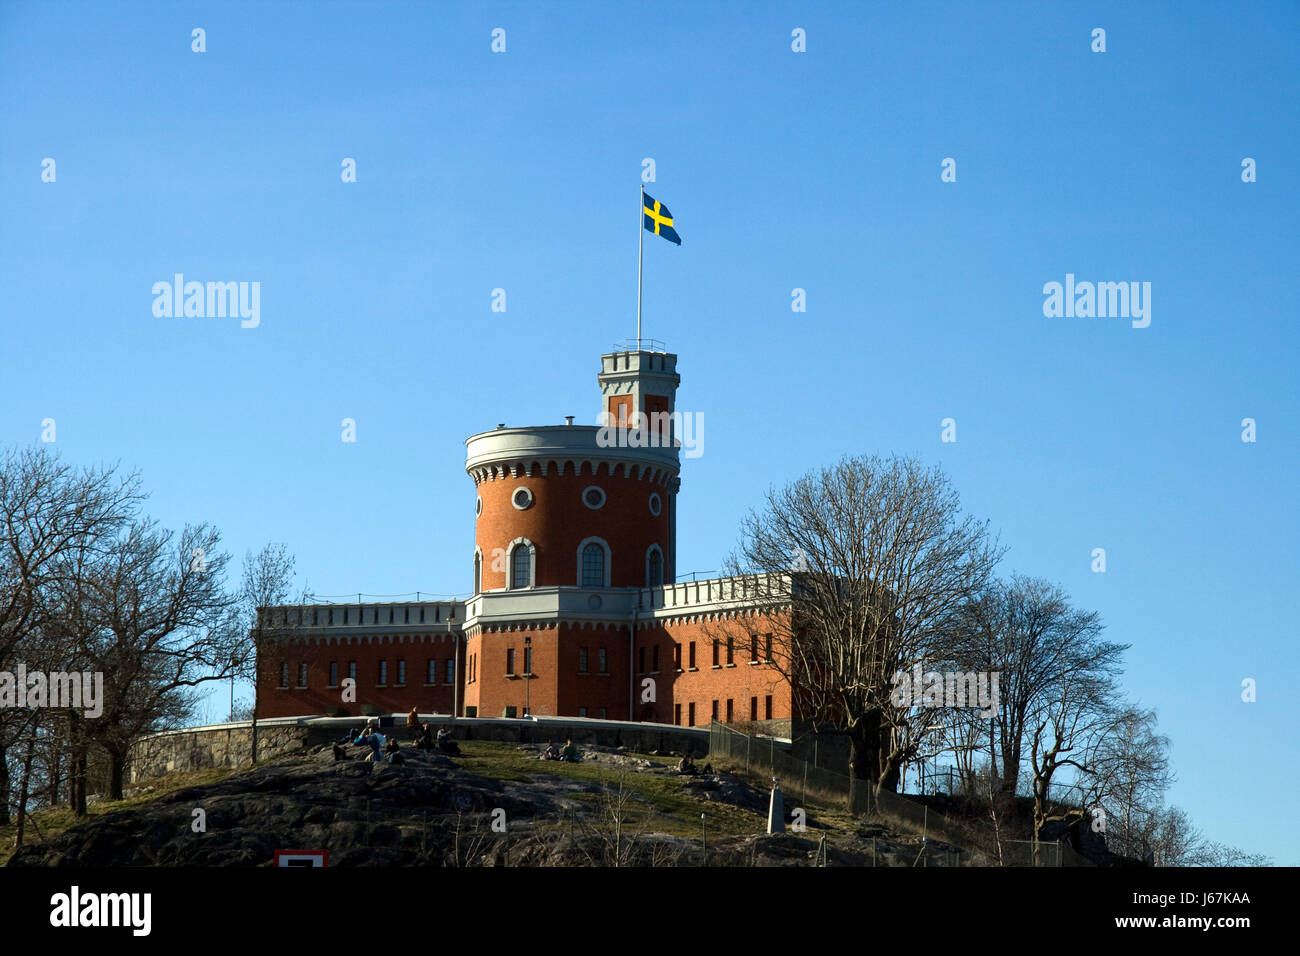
(267, 583)
(1131, 774)
(1026, 631)
(1175, 841)
(861, 569)
(159, 624)
(1066, 728)
(46, 509)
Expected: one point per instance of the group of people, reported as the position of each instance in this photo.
(383, 748)
(687, 766)
(567, 753)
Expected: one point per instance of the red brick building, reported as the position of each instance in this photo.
(570, 613)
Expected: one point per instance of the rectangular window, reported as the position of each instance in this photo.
(284, 674)
(753, 708)
(582, 660)
(677, 714)
(582, 711)
(302, 675)
(654, 659)
(714, 713)
(600, 660)
(334, 673)
(401, 673)
(692, 655)
(451, 670)
(677, 655)
(767, 639)
(383, 673)
(767, 707)
(640, 659)
(352, 670)
(432, 677)
(510, 660)
(600, 712)
(730, 710)
(716, 646)
(731, 648)
(528, 659)
(753, 647)
(690, 720)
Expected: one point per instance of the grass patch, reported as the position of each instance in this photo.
(673, 809)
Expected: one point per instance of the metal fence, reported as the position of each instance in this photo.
(962, 842)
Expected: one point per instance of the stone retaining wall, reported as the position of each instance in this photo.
(230, 745)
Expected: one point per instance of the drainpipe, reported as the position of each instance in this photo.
(455, 684)
(631, 665)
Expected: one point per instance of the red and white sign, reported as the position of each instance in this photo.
(302, 857)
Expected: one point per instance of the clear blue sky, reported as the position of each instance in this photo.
(818, 170)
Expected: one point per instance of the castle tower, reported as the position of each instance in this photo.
(574, 522)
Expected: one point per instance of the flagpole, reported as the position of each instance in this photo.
(640, 243)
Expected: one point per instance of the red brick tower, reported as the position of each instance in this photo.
(573, 522)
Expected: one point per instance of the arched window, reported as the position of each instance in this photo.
(521, 571)
(593, 566)
(654, 567)
(478, 572)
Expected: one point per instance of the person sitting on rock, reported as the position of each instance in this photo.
(339, 753)
(445, 743)
(570, 752)
(552, 751)
(687, 765)
(425, 740)
(376, 741)
(413, 720)
(393, 751)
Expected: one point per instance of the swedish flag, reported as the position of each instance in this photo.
(658, 219)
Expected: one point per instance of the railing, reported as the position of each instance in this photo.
(740, 589)
(365, 615)
(962, 843)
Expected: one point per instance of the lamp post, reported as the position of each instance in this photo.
(528, 674)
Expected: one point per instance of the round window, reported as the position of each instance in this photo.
(478, 507)
(593, 497)
(522, 498)
(656, 505)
